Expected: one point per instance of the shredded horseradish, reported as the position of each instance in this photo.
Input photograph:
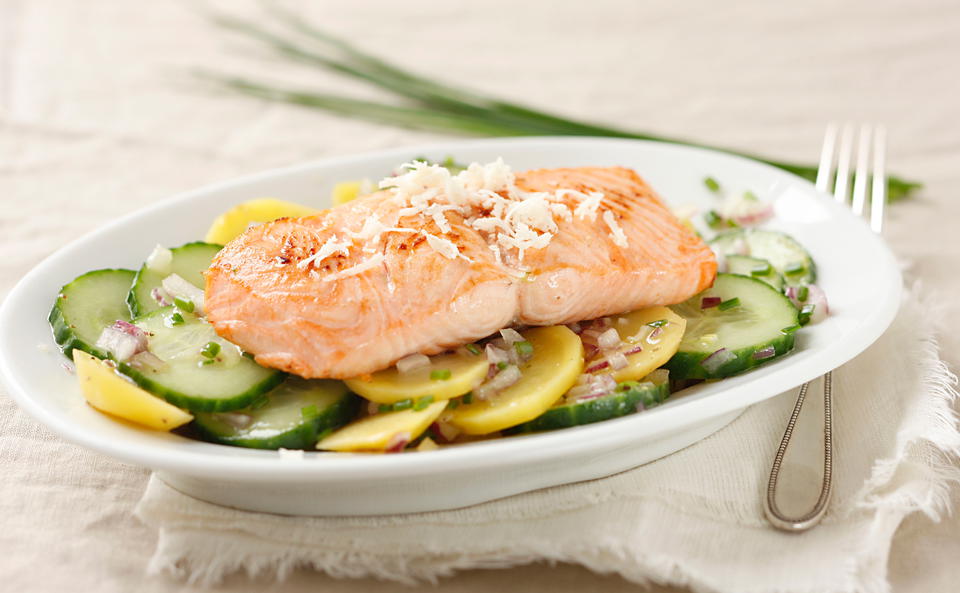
(487, 199)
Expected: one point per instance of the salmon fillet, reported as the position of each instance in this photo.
(353, 289)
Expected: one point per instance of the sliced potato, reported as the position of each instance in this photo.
(110, 392)
(236, 220)
(390, 385)
(635, 330)
(380, 431)
(556, 363)
(346, 191)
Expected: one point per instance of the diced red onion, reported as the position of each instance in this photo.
(121, 343)
(160, 260)
(760, 214)
(68, 367)
(618, 361)
(818, 298)
(413, 362)
(654, 337)
(633, 349)
(177, 287)
(501, 381)
(591, 334)
(496, 355)
(511, 336)
(717, 360)
(148, 361)
(575, 328)
(709, 302)
(597, 366)
(609, 339)
(445, 431)
(768, 352)
(397, 442)
(595, 386)
(158, 295)
(590, 350)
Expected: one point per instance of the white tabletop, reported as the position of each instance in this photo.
(98, 117)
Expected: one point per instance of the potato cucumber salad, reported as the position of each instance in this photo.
(144, 352)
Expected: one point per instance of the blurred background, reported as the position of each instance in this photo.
(100, 115)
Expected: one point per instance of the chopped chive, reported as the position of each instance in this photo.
(523, 348)
(210, 350)
(658, 323)
(711, 184)
(794, 269)
(183, 304)
(805, 313)
(403, 404)
(383, 408)
(729, 304)
(452, 404)
(309, 412)
(175, 319)
(802, 293)
(473, 349)
(761, 270)
(712, 219)
(206, 361)
(789, 329)
(502, 365)
(423, 402)
(750, 196)
(468, 398)
(440, 374)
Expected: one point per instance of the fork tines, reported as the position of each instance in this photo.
(868, 152)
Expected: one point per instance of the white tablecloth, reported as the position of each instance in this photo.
(98, 117)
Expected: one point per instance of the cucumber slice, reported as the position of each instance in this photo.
(293, 414)
(86, 306)
(757, 330)
(781, 250)
(189, 262)
(626, 399)
(755, 267)
(188, 379)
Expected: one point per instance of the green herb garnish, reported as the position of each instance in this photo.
(183, 304)
(803, 293)
(468, 398)
(430, 104)
(403, 405)
(729, 304)
(523, 348)
(440, 374)
(502, 365)
(423, 402)
(210, 350)
(658, 323)
(750, 196)
(473, 349)
(711, 184)
(175, 319)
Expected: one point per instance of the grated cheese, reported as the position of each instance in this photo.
(331, 246)
(616, 233)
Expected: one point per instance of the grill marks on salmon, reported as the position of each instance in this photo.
(314, 321)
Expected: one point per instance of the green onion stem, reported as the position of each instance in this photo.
(443, 107)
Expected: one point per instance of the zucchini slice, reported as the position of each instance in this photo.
(629, 397)
(754, 267)
(86, 306)
(746, 323)
(189, 262)
(192, 376)
(290, 416)
(782, 251)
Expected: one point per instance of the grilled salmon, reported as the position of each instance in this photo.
(353, 289)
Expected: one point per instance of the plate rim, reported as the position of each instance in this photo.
(523, 449)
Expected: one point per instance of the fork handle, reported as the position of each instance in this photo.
(814, 515)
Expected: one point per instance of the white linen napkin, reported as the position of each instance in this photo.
(691, 519)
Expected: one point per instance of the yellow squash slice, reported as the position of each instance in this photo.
(658, 347)
(108, 391)
(556, 363)
(236, 220)
(381, 431)
(447, 376)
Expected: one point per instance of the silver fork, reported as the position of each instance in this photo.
(871, 141)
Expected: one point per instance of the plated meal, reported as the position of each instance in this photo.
(444, 305)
